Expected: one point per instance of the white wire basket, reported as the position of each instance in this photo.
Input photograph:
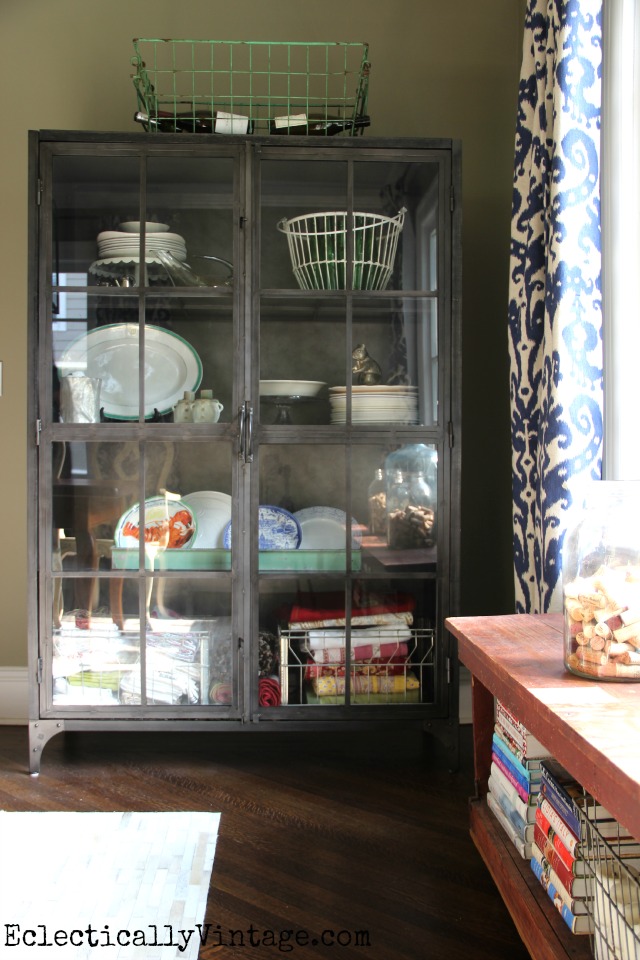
(318, 246)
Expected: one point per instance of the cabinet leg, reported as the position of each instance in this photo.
(40, 732)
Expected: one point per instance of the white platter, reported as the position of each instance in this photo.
(291, 388)
(111, 353)
(163, 518)
(212, 512)
(325, 528)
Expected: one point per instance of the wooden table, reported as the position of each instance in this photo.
(591, 727)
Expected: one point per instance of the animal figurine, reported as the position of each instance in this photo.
(365, 367)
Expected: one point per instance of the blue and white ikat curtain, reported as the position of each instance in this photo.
(555, 336)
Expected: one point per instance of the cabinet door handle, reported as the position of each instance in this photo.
(246, 432)
(249, 432)
(241, 416)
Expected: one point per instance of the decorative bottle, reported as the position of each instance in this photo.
(377, 500)
(183, 410)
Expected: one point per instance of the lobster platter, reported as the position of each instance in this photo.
(169, 524)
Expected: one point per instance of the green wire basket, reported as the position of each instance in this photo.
(246, 86)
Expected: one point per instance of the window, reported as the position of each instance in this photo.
(620, 190)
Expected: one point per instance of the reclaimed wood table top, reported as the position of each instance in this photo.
(592, 727)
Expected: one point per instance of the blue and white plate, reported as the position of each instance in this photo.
(277, 530)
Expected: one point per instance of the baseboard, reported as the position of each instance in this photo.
(14, 698)
(14, 695)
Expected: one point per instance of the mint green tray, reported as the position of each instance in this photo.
(219, 559)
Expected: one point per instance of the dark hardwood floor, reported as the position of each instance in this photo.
(341, 832)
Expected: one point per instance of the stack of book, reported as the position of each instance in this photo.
(514, 782)
(557, 860)
(569, 864)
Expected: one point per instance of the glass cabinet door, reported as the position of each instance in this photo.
(138, 438)
(350, 463)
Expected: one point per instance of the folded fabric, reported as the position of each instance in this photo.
(269, 694)
(167, 681)
(99, 679)
(364, 651)
(331, 686)
(182, 646)
(328, 610)
(336, 637)
(220, 693)
(380, 668)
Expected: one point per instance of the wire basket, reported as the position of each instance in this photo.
(318, 244)
(246, 86)
(613, 867)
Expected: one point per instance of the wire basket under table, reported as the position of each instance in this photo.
(613, 867)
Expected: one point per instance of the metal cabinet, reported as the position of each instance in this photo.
(230, 337)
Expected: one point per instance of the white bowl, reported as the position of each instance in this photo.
(133, 226)
(291, 388)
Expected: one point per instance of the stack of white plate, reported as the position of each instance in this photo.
(125, 245)
(381, 403)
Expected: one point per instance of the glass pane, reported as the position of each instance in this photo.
(370, 643)
(96, 352)
(189, 643)
(189, 348)
(299, 241)
(392, 363)
(396, 235)
(96, 358)
(190, 206)
(97, 516)
(182, 656)
(92, 655)
(91, 195)
(309, 482)
(302, 353)
(94, 485)
(395, 364)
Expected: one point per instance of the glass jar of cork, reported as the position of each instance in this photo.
(601, 584)
(411, 496)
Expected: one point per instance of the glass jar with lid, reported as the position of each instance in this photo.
(411, 492)
(601, 584)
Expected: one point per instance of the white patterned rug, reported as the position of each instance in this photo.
(119, 886)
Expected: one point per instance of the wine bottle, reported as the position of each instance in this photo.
(166, 122)
(198, 121)
(300, 125)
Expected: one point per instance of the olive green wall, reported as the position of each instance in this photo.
(439, 68)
